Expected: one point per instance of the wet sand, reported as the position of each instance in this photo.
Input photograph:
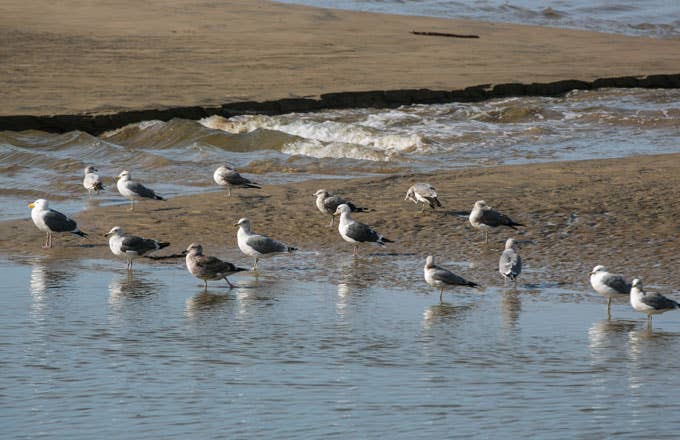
(618, 212)
(69, 57)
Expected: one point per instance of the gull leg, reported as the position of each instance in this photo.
(228, 190)
(332, 221)
(206, 285)
(609, 308)
(47, 237)
(231, 286)
(356, 251)
(441, 292)
(132, 205)
(486, 236)
(649, 322)
(255, 265)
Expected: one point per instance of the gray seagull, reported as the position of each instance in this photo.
(130, 246)
(226, 175)
(50, 221)
(327, 203)
(354, 232)
(609, 285)
(207, 268)
(423, 193)
(650, 303)
(510, 263)
(92, 182)
(440, 278)
(484, 217)
(258, 246)
(134, 190)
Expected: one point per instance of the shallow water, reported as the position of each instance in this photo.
(178, 157)
(651, 18)
(308, 351)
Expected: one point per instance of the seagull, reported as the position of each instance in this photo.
(131, 246)
(484, 217)
(354, 232)
(423, 193)
(328, 203)
(225, 175)
(650, 303)
(441, 278)
(92, 182)
(134, 190)
(208, 268)
(510, 263)
(258, 246)
(609, 285)
(49, 221)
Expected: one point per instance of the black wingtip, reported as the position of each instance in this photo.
(240, 269)
(157, 197)
(291, 249)
(253, 185)
(163, 244)
(81, 233)
(471, 284)
(386, 240)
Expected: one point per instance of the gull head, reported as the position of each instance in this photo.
(510, 243)
(90, 169)
(321, 192)
(342, 209)
(637, 284)
(116, 230)
(598, 268)
(480, 204)
(410, 194)
(429, 261)
(194, 248)
(40, 204)
(125, 174)
(244, 224)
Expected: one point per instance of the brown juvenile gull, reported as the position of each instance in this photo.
(328, 203)
(649, 303)
(226, 175)
(50, 221)
(423, 193)
(207, 268)
(131, 246)
(354, 232)
(441, 278)
(510, 263)
(134, 190)
(92, 182)
(258, 246)
(609, 285)
(484, 217)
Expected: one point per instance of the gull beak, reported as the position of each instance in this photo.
(106, 235)
(31, 205)
(336, 213)
(235, 224)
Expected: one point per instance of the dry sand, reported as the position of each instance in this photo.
(72, 56)
(618, 212)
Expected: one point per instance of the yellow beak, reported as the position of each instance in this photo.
(235, 224)
(31, 205)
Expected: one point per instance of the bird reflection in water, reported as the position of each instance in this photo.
(511, 307)
(445, 313)
(127, 285)
(206, 302)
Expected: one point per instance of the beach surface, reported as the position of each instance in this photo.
(615, 212)
(72, 57)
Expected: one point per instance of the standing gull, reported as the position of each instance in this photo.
(328, 203)
(92, 182)
(510, 263)
(354, 232)
(441, 278)
(650, 303)
(609, 285)
(484, 217)
(258, 246)
(134, 190)
(423, 193)
(49, 221)
(131, 246)
(227, 176)
(208, 268)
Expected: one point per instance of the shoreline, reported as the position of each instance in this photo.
(578, 214)
(95, 68)
(96, 124)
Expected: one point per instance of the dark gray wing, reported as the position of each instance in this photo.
(448, 277)
(132, 243)
(266, 245)
(494, 218)
(331, 203)
(58, 222)
(143, 191)
(510, 264)
(234, 178)
(659, 302)
(425, 190)
(214, 265)
(362, 233)
(617, 283)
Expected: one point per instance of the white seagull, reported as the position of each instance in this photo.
(423, 193)
(484, 217)
(609, 285)
(441, 278)
(650, 303)
(131, 246)
(226, 175)
(258, 246)
(510, 263)
(50, 221)
(134, 190)
(327, 203)
(208, 268)
(92, 182)
(354, 232)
